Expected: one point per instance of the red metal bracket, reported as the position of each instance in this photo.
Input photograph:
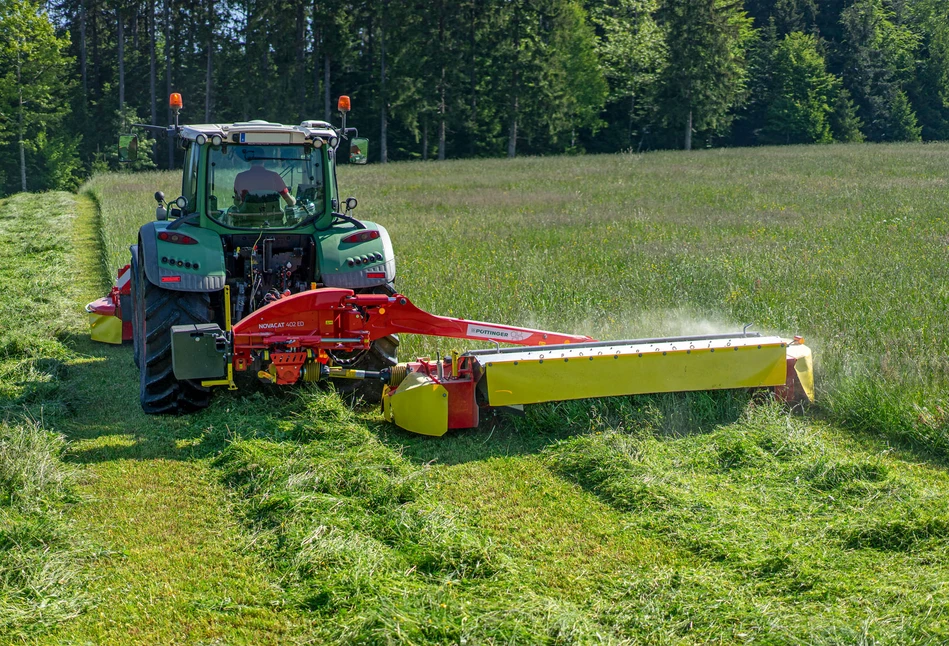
(339, 319)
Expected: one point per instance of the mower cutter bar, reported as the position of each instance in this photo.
(633, 368)
(437, 396)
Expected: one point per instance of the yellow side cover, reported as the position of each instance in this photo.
(804, 367)
(105, 328)
(418, 405)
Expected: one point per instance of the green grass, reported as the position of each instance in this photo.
(173, 565)
(41, 554)
(670, 519)
(806, 529)
(360, 540)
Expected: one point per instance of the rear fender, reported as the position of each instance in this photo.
(359, 265)
(161, 259)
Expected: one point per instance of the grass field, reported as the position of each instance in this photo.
(40, 555)
(675, 519)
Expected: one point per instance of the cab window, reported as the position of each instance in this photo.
(253, 186)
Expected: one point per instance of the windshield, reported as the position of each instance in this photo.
(264, 186)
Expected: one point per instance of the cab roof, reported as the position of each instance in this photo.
(261, 132)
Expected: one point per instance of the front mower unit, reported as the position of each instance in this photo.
(110, 317)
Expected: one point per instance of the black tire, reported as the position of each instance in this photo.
(136, 310)
(160, 309)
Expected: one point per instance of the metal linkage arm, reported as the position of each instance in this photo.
(401, 316)
(338, 319)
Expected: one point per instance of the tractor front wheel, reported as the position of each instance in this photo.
(160, 309)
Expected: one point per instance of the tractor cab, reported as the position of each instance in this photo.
(259, 175)
(259, 219)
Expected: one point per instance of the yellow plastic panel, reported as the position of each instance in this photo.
(106, 328)
(418, 405)
(804, 367)
(536, 376)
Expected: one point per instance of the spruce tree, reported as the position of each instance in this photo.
(707, 69)
(801, 93)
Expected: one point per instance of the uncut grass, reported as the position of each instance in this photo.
(40, 552)
(845, 245)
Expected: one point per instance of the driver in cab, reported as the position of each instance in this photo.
(258, 180)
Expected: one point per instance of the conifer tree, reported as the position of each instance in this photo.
(707, 77)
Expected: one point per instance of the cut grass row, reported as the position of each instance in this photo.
(175, 566)
(815, 537)
(360, 540)
(40, 552)
(674, 519)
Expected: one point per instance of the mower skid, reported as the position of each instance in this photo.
(419, 405)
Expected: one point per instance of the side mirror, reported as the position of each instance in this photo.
(128, 148)
(161, 213)
(358, 150)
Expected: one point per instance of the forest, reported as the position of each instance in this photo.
(440, 80)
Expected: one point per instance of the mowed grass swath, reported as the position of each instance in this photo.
(41, 552)
(668, 519)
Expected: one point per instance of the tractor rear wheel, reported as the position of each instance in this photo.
(158, 310)
(136, 326)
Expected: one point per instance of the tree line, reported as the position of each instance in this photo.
(435, 79)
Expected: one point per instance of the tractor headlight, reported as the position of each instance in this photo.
(217, 140)
(200, 140)
(333, 142)
(317, 143)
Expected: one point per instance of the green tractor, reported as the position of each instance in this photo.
(259, 218)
